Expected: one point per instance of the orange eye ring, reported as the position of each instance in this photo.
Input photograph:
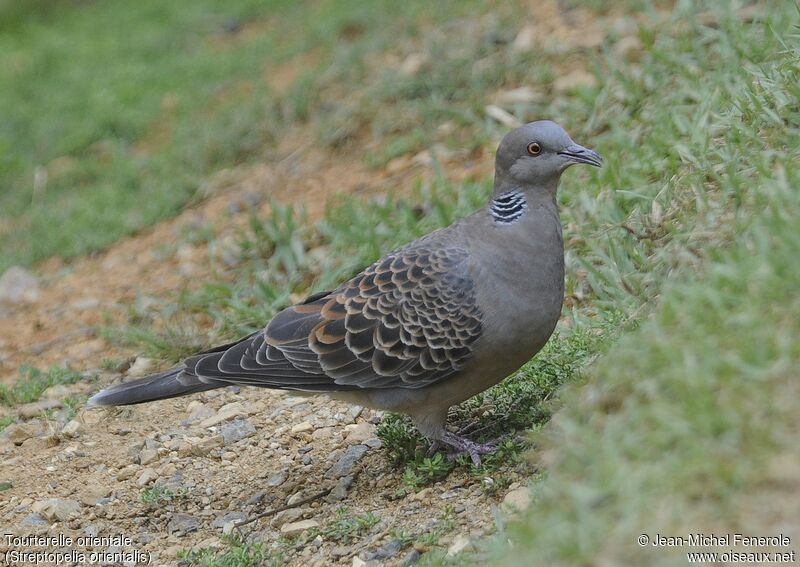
(534, 149)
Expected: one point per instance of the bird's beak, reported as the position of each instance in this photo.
(578, 154)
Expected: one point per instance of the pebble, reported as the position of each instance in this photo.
(225, 413)
(517, 500)
(57, 509)
(200, 446)
(34, 409)
(94, 494)
(127, 472)
(358, 562)
(387, 550)
(296, 528)
(237, 430)
(357, 434)
(182, 524)
(341, 550)
(34, 520)
(148, 475)
(286, 517)
(198, 410)
(148, 456)
(72, 428)
(302, 427)
(346, 462)
(227, 518)
(18, 433)
(339, 491)
(322, 433)
(277, 479)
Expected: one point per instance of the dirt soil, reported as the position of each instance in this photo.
(231, 454)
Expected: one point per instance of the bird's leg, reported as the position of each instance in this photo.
(463, 445)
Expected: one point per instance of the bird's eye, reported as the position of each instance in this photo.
(534, 149)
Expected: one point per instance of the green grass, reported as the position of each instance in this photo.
(235, 553)
(5, 421)
(159, 494)
(98, 140)
(684, 424)
(345, 528)
(34, 382)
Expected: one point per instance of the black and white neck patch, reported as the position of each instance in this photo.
(508, 207)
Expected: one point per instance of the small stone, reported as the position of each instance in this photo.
(18, 285)
(200, 446)
(198, 410)
(344, 466)
(228, 528)
(359, 433)
(341, 551)
(34, 520)
(127, 472)
(225, 413)
(277, 479)
(35, 409)
(302, 427)
(17, 433)
(358, 562)
(517, 500)
(286, 517)
(148, 456)
(322, 433)
(387, 550)
(228, 518)
(72, 428)
(295, 498)
(460, 543)
(148, 475)
(182, 524)
(355, 411)
(296, 528)
(237, 430)
(94, 494)
(57, 509)
(141, 366)
(339, 491)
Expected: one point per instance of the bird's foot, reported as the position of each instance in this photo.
(462, 445)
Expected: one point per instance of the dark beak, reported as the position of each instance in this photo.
(578, 154)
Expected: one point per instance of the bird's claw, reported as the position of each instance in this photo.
(463, 445)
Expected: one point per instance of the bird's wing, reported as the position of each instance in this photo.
(407, 321)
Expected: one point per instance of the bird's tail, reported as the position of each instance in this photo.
(170, 384)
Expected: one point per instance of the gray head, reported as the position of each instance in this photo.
(537, 153)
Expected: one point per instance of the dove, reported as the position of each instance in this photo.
(428, 325)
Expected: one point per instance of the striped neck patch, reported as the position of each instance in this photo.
(508, 207)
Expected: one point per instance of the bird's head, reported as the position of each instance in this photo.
(537, 153)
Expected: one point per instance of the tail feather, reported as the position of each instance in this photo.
(169, 384)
